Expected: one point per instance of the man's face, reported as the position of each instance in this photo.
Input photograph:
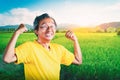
(46, 30)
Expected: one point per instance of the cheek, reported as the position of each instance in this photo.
(39, 33)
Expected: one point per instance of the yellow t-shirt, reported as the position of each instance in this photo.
(41, 64)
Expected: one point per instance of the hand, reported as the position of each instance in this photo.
(70, 35)
(21, 29)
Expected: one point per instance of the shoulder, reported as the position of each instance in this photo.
(27, 43)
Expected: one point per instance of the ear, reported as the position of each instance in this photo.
(36, 32)
(56, 30)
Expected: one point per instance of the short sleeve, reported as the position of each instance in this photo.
(67, 57)
(22, 53)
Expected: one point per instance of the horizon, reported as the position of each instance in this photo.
(66, 25)
(79, 12)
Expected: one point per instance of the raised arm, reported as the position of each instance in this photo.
(77, 51)
(9, 54)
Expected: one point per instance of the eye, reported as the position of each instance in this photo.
(43, 26)
(53, 26)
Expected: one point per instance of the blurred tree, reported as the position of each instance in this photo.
(118, 31)
(111, 29)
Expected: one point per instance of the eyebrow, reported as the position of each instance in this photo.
(48, 22)
(43, 23)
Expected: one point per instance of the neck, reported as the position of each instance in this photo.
(44, 44)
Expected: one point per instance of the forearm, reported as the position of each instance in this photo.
(9, 55)
(77, 52)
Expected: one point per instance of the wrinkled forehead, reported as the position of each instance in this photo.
(47, 21)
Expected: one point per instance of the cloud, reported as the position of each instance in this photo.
(73, 13)
(17, 16)
(87, 14)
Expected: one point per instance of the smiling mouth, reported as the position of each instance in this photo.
(49, 35)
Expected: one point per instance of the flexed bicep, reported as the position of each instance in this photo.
(9, 53)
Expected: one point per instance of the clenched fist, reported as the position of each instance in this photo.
(70, 35)
(21, 29)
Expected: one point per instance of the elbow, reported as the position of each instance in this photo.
(9, 58)
(6, 60)
(79, 62)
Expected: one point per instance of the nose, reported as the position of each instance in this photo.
(49, 28)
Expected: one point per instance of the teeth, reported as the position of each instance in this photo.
(48, 35)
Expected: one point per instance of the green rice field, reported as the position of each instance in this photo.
(100, 52)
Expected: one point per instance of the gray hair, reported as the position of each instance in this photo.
(40, 18)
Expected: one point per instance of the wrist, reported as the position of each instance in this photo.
(75, 39)
(17, 32)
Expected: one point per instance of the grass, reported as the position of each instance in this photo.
(100, 57)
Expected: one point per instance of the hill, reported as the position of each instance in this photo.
(105, 26)
(11, 28)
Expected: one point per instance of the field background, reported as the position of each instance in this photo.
(100, 51)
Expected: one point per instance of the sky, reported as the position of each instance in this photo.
(79, 12)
